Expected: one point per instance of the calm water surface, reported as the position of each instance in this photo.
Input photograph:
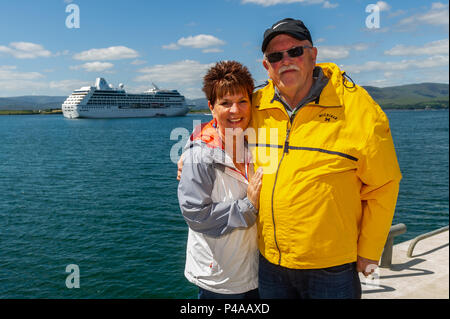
(101, 194)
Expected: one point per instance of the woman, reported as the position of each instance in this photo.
(217, 198)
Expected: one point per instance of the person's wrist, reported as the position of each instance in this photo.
(252, 205)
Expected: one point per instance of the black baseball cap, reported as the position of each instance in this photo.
(294, 28)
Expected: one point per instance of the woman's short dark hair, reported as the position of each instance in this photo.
(227, 77)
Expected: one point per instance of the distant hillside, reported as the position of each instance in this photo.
(410, 96)
(31, 102)
(198, 104)
(423, 95)
(414, 96)
(41, 102)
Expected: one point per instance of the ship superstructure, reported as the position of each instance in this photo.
(105, 101)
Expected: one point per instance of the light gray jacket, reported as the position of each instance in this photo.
(222, 250)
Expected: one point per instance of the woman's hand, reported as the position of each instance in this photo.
(179, 167)
(254, 185)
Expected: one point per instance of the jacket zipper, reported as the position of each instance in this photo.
(285, 151)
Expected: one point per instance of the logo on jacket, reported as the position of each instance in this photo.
(327, 117)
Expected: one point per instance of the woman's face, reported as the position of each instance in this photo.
(231, 111)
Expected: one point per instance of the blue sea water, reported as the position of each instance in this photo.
(101, 194)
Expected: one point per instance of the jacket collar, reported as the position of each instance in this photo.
(331, 95)
(206, 134)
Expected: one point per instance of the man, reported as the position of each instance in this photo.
(331, 182)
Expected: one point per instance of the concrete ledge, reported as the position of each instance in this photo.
(424, 276)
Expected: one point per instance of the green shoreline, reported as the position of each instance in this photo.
(30, 112)
(207, 111)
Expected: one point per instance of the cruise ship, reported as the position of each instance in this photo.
(105, 101)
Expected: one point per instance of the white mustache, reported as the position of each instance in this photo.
(288, 68)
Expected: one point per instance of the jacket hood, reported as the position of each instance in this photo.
(332, 94)
(337, 83)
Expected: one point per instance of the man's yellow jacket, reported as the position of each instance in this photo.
(331, 176)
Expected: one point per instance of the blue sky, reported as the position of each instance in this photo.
(172, 43)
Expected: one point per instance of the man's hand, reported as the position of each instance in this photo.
(366, 266)
(180, 167)
(254, 186)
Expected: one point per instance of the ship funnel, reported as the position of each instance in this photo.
(101, 84)
(154, 85)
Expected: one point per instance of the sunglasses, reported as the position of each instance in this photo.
(293, 53)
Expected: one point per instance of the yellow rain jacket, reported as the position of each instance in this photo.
(331, 176)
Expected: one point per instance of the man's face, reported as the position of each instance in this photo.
(290, 73)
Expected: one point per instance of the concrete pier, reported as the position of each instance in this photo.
(423, 276)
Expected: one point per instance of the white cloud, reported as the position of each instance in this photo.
(320, 40)
(212, 50)
(401, 77)
(67, 85)
(397, 13)
(193, 93)
(438, 15)
(336, 52)
(377, 30)
(202, 41)
(25, 50)
(440, 61)
(360, 46)
(383, 6)
(9, 72)
(111, 53)
(138, 62)
(184, 72)
(64, 52)
(267, 3)
(93, 66)
(329, 5)
(16, 87)
(431, 48)
(430, 75)
(332, 53)
(171, 46)
(14, 82)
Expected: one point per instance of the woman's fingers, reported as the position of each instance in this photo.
(251, 171)
(257, 175)
(254, 187)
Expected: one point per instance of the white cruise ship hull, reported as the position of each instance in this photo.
(102, 101)
(102, 111)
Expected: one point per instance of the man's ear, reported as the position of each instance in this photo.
(265, 64)
(314, 54)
